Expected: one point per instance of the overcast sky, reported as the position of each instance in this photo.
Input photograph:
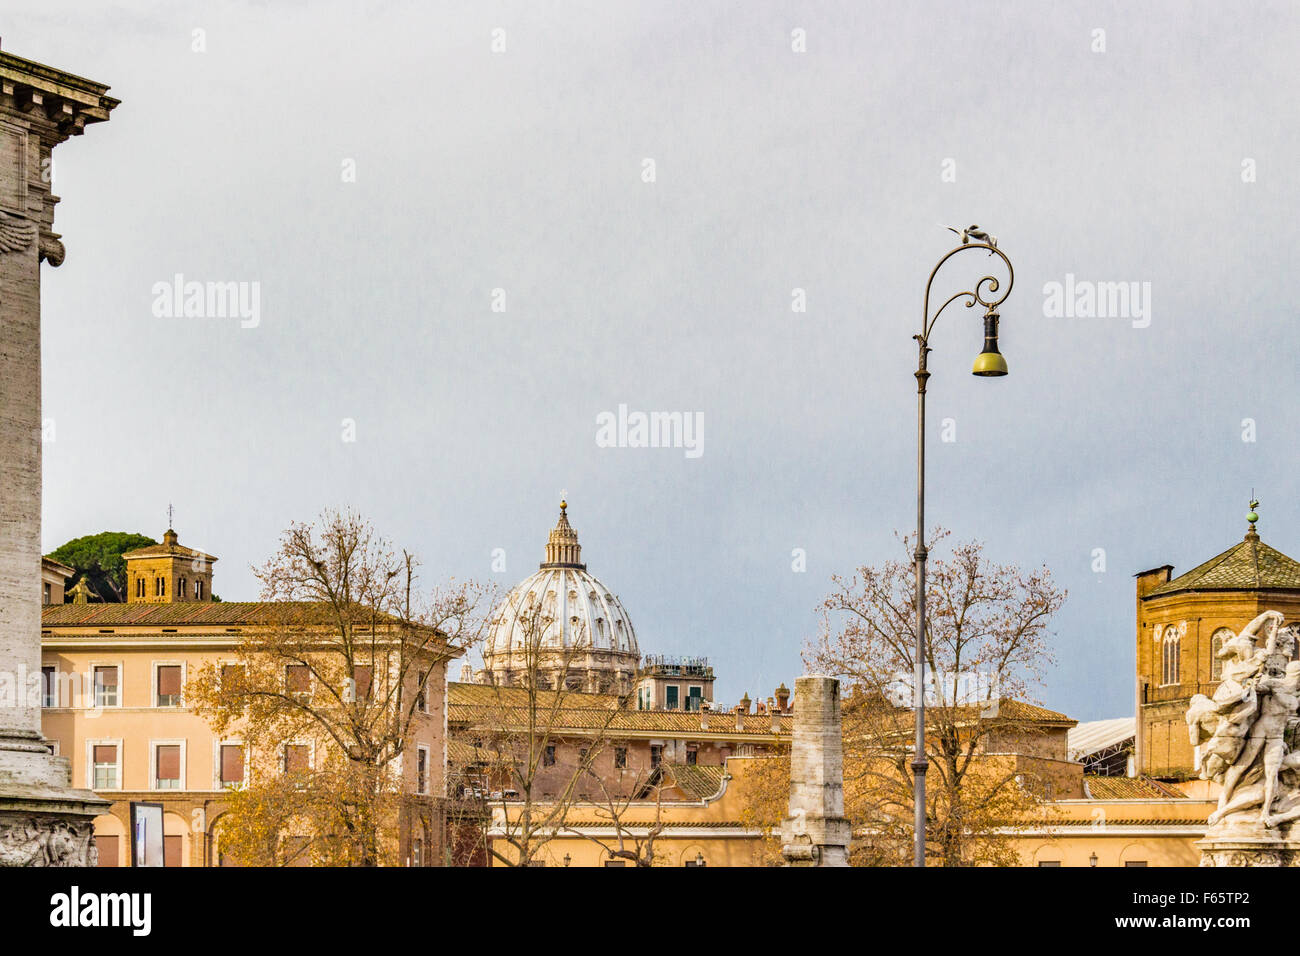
(830, 170)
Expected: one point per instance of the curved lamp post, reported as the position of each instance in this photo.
(989, 363)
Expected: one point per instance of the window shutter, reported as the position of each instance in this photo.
(362, 676)
(169, 761)
(169, 680)
(297, 679)
(296, 758)
(106, 676)
(232, 763)
(232, 676)
(105, 753)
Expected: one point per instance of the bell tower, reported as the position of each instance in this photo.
(168, 573)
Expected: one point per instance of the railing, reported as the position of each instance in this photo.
(662, 665)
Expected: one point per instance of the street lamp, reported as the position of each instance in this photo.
(989, 364)
(1092, 860)
(567, 859)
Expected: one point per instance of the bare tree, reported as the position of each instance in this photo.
(329, 691)
(535, 742)
(987, 647)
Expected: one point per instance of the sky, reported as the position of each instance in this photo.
(462, 258)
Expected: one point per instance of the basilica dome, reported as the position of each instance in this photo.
(562, 624)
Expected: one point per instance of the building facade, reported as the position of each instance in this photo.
(114, 679)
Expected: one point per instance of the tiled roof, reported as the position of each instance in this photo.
(167, 549)
(696, 781)
(1249, 566)
(198, 613)
(1129, 788)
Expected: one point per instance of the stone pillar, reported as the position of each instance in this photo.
(42, 821)
(816, 833)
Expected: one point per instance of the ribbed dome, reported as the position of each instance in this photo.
(579, 618)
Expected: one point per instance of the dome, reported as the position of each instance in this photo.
(576, 624)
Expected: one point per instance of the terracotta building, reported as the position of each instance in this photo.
(113, 682)
(1182, 623)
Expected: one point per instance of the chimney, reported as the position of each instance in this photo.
(704, 715)
(740, 717)
(744, 703)
(760, 708)
(783, 698)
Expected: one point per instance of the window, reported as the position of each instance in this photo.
(167, 767)
(363, 676)
(656, 754)
(297, 758)
(169, 685)
(230, 770)
(694, 697)
(1049, 862)
(139, 587)
(159, 587)
(198, 590)
(232, 676)
(48, 687)
(670, 697)
(49, 594)
(417, 853)
(421, 769)
(1216, 645)
(103, 759)
(548, 759)
(620, 758)
(422, 700)
(616, 862)
(297, 679)
(180, 589)
(1136, 863)
(692, 756)
(105, 686)
(1172, 655)
(107, 848)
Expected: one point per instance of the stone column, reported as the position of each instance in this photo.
(42, 820)
(816, 833)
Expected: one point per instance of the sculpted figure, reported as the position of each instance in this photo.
(1222, 723)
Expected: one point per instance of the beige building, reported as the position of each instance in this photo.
(113, 683)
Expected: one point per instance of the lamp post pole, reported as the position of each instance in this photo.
(989, 363)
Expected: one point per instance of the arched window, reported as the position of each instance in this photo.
(1172, 655)
(1220, 637)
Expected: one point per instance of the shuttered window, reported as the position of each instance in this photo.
(168, 763)
(104, 771)
(232, 677)
(297, 758)
(362, 678)
(169, 685)
(105, 686)
(297, 679)
(232, 764)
